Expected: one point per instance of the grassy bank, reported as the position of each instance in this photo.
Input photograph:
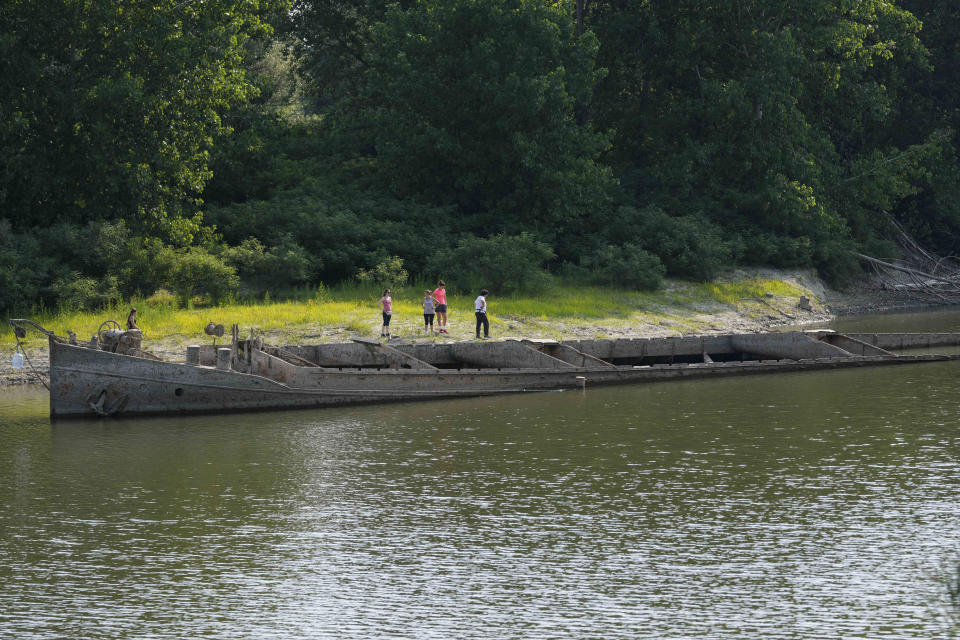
(566, 311)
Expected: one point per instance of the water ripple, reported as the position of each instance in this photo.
(808, 506)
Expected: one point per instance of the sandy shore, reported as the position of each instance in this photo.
(690, 318)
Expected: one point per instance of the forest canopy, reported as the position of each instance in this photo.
(223, 147)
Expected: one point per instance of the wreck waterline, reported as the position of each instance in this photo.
(113, 377)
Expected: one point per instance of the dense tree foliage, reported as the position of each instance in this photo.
(766, 116)
(109, 108)
(180, 142)
(469, 103)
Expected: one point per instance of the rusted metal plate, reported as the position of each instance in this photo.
(87, 382)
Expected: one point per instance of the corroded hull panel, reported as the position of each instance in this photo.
(90, 383)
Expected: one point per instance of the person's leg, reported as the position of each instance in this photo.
(486, 326)
(479, 321)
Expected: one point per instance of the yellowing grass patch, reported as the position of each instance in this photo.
(352, 309)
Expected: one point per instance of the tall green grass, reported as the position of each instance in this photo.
(353, 308)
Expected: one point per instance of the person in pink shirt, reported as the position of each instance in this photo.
(386, 306)
(440, 294)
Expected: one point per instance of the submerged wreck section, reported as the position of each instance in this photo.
(549, 354)
(110, 377)
(794, 345)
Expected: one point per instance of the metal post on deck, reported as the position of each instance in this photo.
(224, 359)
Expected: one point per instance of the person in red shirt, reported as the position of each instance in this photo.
(440, 294)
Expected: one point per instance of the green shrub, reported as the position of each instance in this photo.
(279, 267)
(146, 266)
(196, 271)
(340, 229)
(767, 249)
(388, 273)
(162, 298)
(87, 294)
(77, 293)
(503, 264)
(625, 266)
(321, 293)
(689, 246)
(26, 270)
(835, 263)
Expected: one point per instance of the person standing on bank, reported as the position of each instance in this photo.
(428, 311)
(386, 307)
(480, 308)
(440, 295)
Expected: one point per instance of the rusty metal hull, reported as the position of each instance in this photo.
(90, 383)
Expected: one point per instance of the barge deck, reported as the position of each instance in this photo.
(112, 376)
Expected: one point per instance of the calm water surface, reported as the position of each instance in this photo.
(811, 505)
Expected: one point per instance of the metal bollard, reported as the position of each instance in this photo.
(224, 358)
(193, 354)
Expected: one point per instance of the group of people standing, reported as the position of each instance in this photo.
(435, 305)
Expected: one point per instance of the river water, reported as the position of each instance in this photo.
(807, 505)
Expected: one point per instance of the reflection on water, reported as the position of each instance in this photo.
(791, 506)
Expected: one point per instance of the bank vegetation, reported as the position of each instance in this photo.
(222, 151)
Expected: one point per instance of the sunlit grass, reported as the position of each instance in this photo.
(566, 302)
(337, 312)
(756, 288)
(731, 293)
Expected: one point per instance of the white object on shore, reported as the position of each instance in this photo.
(17, 362)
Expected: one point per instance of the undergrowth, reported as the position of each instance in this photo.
(353, 309)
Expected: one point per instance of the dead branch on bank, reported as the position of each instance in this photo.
(918, 273)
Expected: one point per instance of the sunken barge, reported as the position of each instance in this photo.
(112, 375)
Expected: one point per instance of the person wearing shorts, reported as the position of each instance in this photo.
(428, 311)
(440, 295)
(386, 307)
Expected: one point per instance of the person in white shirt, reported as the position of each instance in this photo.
(480, 309)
